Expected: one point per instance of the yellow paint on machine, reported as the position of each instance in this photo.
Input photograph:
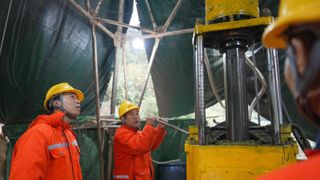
(222, 8)
(262, 21)
(215, 162)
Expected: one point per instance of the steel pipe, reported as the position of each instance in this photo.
(161, 121)
(200, 113)
(236, 91)
(275, 93)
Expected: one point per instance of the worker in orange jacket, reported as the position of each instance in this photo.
(298, 29)
(49, 149)
(132, 147)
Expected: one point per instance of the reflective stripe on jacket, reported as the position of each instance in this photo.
(132, 152)
(47, 150)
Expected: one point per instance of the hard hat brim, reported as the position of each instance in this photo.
(78, 93)
(274, 37)
(129, 109)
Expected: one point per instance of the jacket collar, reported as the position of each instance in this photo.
(54, 120)
(130, 128)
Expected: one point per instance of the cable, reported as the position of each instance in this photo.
(263, 83)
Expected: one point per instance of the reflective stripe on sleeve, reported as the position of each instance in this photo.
(120, 176)
(55, 146)
(74, 143)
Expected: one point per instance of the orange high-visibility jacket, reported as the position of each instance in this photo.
(308, 169)
(47, 150)
(132, 152)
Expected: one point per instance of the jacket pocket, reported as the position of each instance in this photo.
(57, 153)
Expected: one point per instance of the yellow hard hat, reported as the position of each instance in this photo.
(61, 88)
(291, 12)
(126, 106)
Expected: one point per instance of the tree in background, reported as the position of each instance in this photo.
(136, 66)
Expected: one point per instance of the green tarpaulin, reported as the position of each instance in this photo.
(47, 41)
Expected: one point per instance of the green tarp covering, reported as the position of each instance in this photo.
(47, 42)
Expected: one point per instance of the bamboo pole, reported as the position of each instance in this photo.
(92, 19)
(154, 24)
(164, 34)
(117, 43)
(153, 54)
(96, 80)
(124, 64)
(171, 16)
(125, 25)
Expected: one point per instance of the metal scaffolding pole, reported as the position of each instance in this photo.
(96, 80)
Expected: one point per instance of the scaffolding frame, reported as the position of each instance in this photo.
(119, 40)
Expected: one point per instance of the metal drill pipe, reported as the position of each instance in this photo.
(236, 92)
(172, 126)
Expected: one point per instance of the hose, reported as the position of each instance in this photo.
(263, 83)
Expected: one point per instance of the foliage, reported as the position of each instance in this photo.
(136, 72)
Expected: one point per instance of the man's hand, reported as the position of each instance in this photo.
(151, 120)
(162, 125)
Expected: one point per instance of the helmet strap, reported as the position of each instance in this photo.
(61, 108)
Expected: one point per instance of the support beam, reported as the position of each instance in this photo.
(154, 24)
(200, 112)
(92, 19)
(125, 25)
(153, 54)
(96, 81)
(171, 16)
(275, 92)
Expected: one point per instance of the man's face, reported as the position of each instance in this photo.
(71, 104)
(132, 118)
(302, 55)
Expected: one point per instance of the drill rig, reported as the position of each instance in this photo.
(237, 148)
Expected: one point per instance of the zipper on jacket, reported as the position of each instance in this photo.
(69, 145)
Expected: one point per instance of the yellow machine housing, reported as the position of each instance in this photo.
(225, 8)
(236, 161)
(225, 21)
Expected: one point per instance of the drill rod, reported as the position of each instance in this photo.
(159, 120)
